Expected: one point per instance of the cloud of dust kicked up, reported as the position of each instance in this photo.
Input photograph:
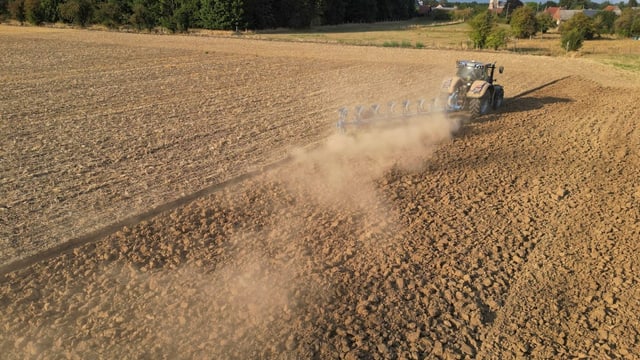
(251, 295)
(344, 167)
(237, 308)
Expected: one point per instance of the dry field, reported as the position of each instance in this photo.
(186, 197)
(423, 33)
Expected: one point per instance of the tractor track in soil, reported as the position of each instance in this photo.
(515, 237)
(131, 221)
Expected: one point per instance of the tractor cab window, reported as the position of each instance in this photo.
(472, 72)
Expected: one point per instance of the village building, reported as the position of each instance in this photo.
(495, 6)
(560, 15)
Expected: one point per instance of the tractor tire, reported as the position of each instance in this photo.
(498, 100)
(480, 106)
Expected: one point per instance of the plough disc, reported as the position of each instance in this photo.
(373, 115)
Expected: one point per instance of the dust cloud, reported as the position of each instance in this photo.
(343, 169)
(252, 292)
(227, 311)
(246, 303)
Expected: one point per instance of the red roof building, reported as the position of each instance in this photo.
(613, 8)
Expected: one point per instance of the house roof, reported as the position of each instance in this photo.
(440, 7)
(424, 9)
(590, 12)
(552, 10)
(613, 8)
(566, 14)
(563, 15)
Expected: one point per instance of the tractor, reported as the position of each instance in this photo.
(472, 89)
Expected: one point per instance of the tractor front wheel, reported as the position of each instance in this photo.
(480, 106)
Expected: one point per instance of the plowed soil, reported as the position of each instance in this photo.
(210, 210)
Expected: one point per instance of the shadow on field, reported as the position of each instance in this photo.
(531, 103)
(524, 102)
(514, 105)
(530, 50)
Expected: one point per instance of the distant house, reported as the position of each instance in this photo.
(613, 8)
(424, 10)
(564, 15)
(495, 6)
(443, 8)
(590, 12)
(559, 14)
(552, 10)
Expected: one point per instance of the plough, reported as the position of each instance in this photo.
(363, 116)
(472, 89)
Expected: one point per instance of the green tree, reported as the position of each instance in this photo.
(109, 14)
(237, 13)
(361, 11)
(210, 13)
(544, 22)
(628, 24)
(604, 4)
(633, 3)
(482, 25)
(186, 16)
(50, 10)
(604, 22)
(78, 12)
(571, 40)
(33, 12)
(297, 14)
(334, 11)
(497, 38)
(258, 14)
(578, 4)
(533, 5)
(166, 8)
(510, 6)
(4, 9)
(395, 9)
(222, 14)
(384, 10)
(441, 15)
(177, 15)
(142, 17)
(16, 9)
(462, 14)
(581, 23)
(523, 22)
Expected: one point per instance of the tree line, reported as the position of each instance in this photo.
(526, 20)
(181, 15)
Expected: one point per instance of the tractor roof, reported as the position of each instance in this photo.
(471, 63)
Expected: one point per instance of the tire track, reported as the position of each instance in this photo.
(131, 221)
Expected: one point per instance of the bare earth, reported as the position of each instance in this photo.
(515, 235)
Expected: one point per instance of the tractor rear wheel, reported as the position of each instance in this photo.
(480, 106)
(498, 99)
